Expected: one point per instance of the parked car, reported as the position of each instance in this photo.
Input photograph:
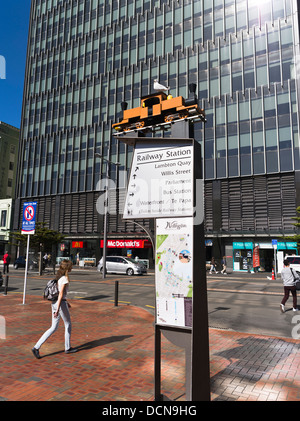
(119, 264)
(294, 262)
(20, 262)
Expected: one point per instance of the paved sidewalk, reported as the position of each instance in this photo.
(115, 361)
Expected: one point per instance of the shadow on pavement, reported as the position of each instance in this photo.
(102, 341)
(93, 344)
(252, 360)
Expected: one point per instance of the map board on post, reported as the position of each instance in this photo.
(166, 184)
(162, 185)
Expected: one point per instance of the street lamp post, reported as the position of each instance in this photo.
(105, 212)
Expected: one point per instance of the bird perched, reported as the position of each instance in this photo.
(158, 87)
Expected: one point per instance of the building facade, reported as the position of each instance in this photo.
(6, 211)
(9, 144)
(86, 56)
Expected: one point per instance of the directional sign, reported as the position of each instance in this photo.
(161, 181)
(29, 215)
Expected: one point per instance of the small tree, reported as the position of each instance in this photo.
(297, 218)
(43, 239)
(295, 237)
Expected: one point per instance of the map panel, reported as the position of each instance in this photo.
(174, 271)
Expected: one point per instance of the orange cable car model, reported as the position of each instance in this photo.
(159, 109)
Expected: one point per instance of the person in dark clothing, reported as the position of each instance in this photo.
(213, 265)
(288, 276)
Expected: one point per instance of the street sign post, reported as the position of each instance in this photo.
(274, 244)
(162, 186)
(28, 228)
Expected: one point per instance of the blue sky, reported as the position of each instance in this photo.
(14, 23)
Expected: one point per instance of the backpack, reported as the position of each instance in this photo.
(51, 290)
(297, 280)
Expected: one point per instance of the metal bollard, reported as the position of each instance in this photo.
(6, 284)
(116, 292)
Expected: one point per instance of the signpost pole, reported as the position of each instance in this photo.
(181, 308)
(274, 243)
(162, 187)
(157, 364)
(26, 268)
(28, 227)
(105, 231)
(275, 261)
(105, 228)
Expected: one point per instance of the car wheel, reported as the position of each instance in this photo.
(101, 270)
(130, 272)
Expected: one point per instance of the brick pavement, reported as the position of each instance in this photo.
(115, 361)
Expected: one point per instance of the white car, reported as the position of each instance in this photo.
(120, 264)
(294, 262)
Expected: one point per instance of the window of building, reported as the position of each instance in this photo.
(3, 218)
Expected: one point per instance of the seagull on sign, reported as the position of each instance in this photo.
(159, 87)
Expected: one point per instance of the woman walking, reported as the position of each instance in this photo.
(59, 308)
(213, 265)
(224, 265)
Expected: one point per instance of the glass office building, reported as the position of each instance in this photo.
(86, 56)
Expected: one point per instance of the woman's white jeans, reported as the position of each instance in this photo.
(65, 315)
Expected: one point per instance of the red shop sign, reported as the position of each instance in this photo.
(77, 244)
(134, 244)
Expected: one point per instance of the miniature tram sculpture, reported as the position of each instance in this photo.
(159, 110)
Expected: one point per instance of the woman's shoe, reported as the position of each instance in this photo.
(36, 353)
(71, 350)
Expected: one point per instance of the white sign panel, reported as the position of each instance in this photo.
(174, 271)
(29, 218)
(161, 181)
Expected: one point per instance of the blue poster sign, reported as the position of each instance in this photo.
(29, 214)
